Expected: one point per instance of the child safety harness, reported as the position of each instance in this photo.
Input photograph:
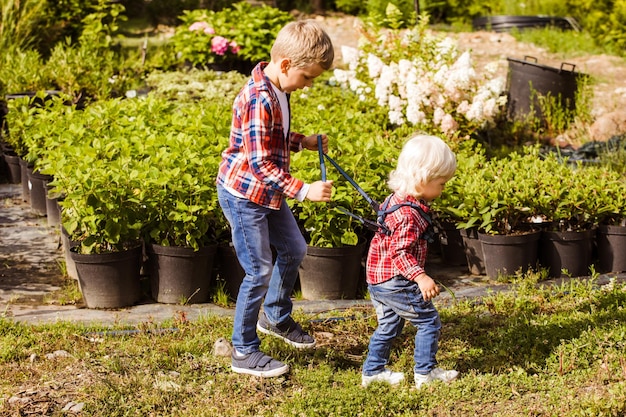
(379, 226)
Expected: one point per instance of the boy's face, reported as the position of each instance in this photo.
(431, 189)
(293, 78)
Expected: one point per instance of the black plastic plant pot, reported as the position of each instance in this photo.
(527, 81)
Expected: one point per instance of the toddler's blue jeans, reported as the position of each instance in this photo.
(255, 229)
(396, 301)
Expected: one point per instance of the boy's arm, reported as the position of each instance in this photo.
(299, 141)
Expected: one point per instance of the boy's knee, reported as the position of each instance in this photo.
(299, 250)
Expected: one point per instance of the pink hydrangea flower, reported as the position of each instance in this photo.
(234, 48)
(219, 45)
(209, 31)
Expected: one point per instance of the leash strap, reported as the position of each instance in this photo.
(373, 204)
(320, 151)
(371, 225)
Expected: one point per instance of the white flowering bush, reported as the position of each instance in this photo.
(422, 80)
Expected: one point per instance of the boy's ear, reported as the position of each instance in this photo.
(285, 64)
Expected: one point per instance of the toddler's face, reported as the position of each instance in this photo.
(293, 78)
(431, 189)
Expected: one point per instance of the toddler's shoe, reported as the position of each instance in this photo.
(257, 364)
(290, 332)
(435, 374)
(393, 378)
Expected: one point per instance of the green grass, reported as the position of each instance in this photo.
(537, 350)
(566, 43)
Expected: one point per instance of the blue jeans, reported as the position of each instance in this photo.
(396, 301)
(255, 229)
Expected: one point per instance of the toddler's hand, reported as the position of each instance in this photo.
(320, 191)
(428, 287)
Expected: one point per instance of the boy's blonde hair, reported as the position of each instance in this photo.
(304, 43)
(423, 159)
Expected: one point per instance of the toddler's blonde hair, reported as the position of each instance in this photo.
(304, 43)
(423, 159)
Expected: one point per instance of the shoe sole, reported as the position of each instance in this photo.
(263, 374)
(289, 342)
(445, 381)
(393, 384)
(365, 383)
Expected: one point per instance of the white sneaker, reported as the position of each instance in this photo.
(435, 374)
(393, 378)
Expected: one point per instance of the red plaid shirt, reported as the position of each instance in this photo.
(256, 162)
(402, 252)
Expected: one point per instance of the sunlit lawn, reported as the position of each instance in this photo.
(534, 351)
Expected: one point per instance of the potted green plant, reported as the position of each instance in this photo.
(96, 170)
(452, 208)
(610, 196)
(139, 170)
(500, 203)
(180, 199)
(30, 119)
(569, 206)
(102, 216)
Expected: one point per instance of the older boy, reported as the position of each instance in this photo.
(253, 182)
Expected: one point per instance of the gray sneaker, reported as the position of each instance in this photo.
(290, 332)
(257, 364)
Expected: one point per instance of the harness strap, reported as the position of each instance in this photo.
(428, 234)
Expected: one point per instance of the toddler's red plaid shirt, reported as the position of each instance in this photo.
(402, 252)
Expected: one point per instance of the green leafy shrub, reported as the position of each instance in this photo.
(455, 203)
(23, 70)
(129, 169)
(395, 14)
(88, 67)
(243, 32)
(194, 84)
(509, 194)
(353, 7)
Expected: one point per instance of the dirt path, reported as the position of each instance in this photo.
(608, 72)
(30, 256)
